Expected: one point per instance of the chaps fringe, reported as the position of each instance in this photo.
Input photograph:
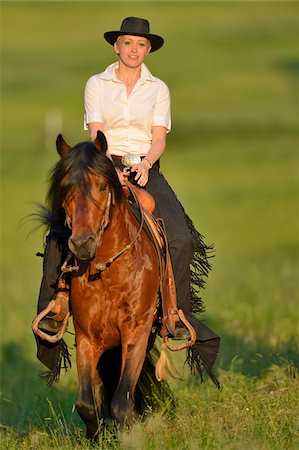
(200, 266)
(198, 363)
(63, 361)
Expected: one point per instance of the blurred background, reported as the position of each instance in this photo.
(232, 159)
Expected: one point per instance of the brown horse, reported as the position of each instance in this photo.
(114, 298)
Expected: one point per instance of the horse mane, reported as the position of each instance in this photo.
(72, 171)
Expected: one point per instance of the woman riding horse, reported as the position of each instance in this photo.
(132, 108)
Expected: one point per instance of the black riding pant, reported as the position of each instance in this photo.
(179, 238)
(55, 254)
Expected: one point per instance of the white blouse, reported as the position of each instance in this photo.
(127, 121)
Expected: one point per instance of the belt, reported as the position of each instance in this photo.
(117, 159)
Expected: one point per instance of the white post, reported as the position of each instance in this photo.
(53, 126)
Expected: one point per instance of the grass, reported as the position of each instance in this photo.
(232, 158)
(248, 412)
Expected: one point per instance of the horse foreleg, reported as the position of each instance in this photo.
(89, 402)
(133, 356)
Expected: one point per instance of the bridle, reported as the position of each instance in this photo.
(104, 221)
(100, 266)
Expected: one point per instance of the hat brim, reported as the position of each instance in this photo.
(155, 40)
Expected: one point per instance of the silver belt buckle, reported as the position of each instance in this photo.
(129, 160)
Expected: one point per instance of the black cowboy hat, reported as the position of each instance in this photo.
(134, 26)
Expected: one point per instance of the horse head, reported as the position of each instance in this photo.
(88, 181)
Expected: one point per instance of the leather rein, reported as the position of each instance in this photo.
(102, 266)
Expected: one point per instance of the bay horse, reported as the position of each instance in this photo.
(113, 308)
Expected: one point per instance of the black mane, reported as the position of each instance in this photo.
(72, 171)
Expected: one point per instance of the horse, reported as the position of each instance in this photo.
(114, 299)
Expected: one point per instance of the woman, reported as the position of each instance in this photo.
(132, 108)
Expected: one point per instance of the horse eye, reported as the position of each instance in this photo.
(103, 186)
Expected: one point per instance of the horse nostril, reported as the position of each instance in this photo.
(83, 246)
(91, 240)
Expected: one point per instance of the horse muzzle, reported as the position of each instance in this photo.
(83, 247)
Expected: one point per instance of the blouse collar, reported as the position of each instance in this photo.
(109, 73)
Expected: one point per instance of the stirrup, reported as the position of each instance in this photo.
(56, 337)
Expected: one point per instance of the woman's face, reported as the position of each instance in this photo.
(132, 50)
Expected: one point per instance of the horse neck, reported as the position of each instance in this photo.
(119, 231)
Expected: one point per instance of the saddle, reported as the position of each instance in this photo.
(170, 312)
(156, 230)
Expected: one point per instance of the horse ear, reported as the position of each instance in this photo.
(62, 146)
(100, 142)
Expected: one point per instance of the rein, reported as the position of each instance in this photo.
(102, 266)
(105, 218)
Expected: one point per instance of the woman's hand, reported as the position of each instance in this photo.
(141, 170)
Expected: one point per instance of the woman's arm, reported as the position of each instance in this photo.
(93, 128)
(154, 153)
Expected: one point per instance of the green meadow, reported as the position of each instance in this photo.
(232, 158)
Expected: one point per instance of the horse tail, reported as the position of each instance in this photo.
(150, 393)
(164, 366)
